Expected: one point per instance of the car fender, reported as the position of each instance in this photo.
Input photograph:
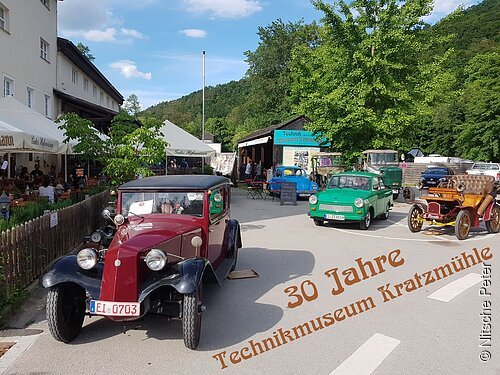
(66, 270)
(190, 273)
(232, 235)
(423, 206)
(487, 213)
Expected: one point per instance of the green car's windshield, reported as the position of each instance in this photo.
(383, 158)
(351, 182)
(141, 203)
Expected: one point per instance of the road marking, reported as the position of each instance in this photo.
(23, 343)
(357, 233)
(368, 356)
(453, 289)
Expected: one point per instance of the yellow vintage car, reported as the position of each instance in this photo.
(463, 202)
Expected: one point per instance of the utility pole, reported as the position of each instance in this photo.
(203, 99)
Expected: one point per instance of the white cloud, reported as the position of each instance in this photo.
(194, 33)
(132, 33)
(224, 8)
(444, 7)
(108, 35)
(96, 21)
(128, 69)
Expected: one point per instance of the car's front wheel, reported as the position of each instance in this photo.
(414, 219)
(65, 311)
(319, 222)
(463, 225)
(367, 220)
(191, 318)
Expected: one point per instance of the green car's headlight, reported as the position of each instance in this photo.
(359, 202)
(313, 199)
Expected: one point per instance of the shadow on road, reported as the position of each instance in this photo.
(233, 314)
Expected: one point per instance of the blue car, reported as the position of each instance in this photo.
(305, 187)
(432, 176)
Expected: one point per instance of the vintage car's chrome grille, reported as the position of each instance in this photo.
(336, 208)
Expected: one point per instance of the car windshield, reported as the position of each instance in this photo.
(439, 171)
(352, 182)
(141, 203)
(486, 167)
(383, 158)
(294, 172)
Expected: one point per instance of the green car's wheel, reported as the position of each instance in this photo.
(493, 225)
(367, 220)
(414, 222)
(462, 225)
(385, 215)
(319, 223)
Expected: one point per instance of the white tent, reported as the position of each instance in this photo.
(23, 129)
(181, 143)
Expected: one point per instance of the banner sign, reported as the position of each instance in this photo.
(298, 138)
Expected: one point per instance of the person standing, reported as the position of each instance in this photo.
(258, 170)
(5, 165)
(248, 170)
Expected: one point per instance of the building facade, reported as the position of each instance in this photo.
(49, 74)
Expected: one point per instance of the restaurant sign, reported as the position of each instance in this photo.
(298, 138)
(40, 142)
(6, 140)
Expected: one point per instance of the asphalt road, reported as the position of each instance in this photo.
(249, 328)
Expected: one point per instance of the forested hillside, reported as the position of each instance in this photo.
(368, 76)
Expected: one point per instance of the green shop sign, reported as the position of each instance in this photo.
(298, 138)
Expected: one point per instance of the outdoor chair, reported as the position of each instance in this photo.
(254, 188)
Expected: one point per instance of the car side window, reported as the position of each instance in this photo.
(381, 182)
(375, 183)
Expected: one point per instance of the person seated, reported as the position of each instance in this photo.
(24, 175)
(47, 190)
(36, 172)
(166, 207)
(10, 188)
(178, 208)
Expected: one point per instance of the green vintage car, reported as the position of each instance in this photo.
(351, 196)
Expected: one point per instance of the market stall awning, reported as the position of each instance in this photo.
(254, 142)
(181, 143)
(23, 129)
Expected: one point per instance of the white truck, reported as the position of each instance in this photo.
(488, 169)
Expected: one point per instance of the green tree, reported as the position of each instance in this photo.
(132, 105)
(268, 75)
(85, 50)
(358, 84)
(129, 151)
(480, 134)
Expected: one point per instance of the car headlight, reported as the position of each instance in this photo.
(359, 202)
(313, 199)
(87, 258)
(119, 219)
(156, 260)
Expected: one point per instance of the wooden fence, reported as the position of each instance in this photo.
(27, 249)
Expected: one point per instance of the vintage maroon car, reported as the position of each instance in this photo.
(174, 233)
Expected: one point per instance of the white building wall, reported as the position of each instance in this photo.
(28, 21)
(66, 84)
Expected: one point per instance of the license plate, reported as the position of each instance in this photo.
(334, 217)
(107, 308)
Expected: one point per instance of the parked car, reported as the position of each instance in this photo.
(305, 187)
(352, 196)
(432, 176)
(487, 169)
(463, 203)
(174, 233)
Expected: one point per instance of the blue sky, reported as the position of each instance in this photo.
(153, 48)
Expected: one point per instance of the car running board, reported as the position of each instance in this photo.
(224, 269)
